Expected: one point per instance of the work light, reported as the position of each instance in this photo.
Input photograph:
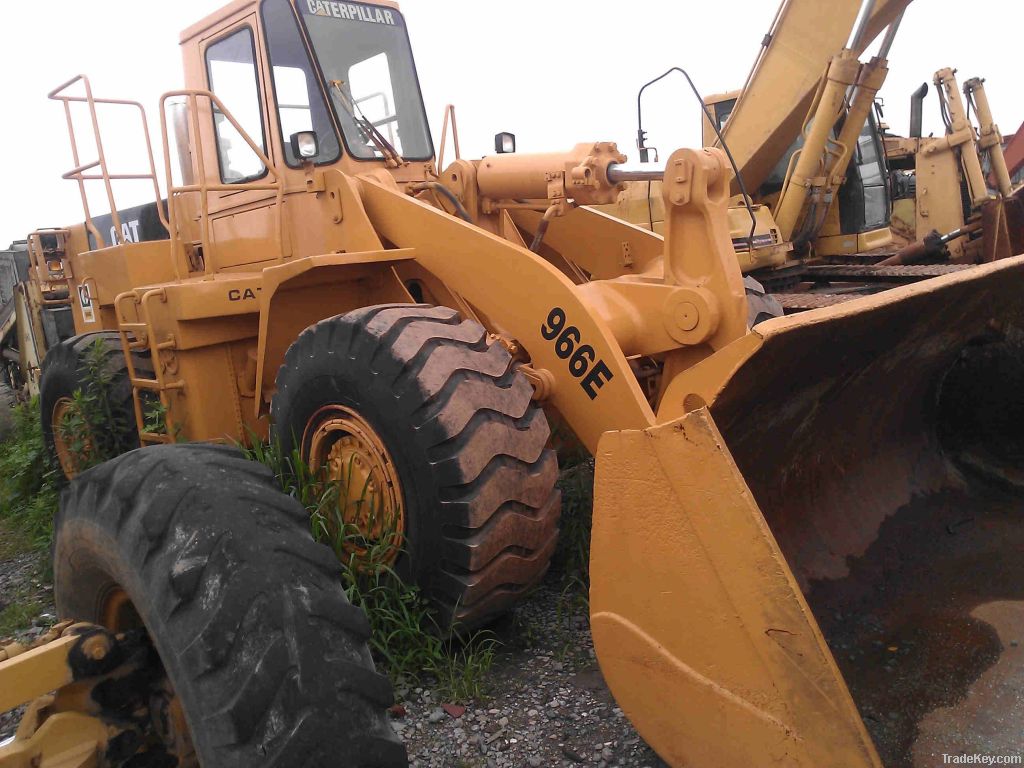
(305, 145)
(505, 143)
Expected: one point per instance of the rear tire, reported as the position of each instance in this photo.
(469, 445)
(64, 373)
(266, 655)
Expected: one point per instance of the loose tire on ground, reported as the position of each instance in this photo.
(761, 306)
(267, 657)
(481, 508)
(64, 373)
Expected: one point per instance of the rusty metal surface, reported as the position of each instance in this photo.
(1014, 152)
(894, 274)
(1002, 226)
(802, 302)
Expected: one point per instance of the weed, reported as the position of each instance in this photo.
(18, 614)
(460, 672)
(573, 554)
(28, 491)
(406, 638)
(92, 428)
(155, 420)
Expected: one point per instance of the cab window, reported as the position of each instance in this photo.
(231, 70)
(300, 102)
(366, 61)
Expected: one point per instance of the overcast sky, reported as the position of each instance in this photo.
(555, 72)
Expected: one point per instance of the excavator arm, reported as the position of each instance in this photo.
(806, 34)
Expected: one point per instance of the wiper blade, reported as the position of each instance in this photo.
(366, 126)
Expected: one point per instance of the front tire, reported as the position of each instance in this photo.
(265, 654)
(461, 436)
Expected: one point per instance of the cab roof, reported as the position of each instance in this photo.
(240, 7)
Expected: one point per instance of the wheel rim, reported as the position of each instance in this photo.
(62, 410)
(117, 613)
(366, 518)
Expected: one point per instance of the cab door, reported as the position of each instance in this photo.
(243, 222)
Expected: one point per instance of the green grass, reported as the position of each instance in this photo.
(406, 639)
(28, 490)
(19, 613)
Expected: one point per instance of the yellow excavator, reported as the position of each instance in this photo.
(806, 535)
(812, 157)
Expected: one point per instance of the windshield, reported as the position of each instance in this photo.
(367, 64)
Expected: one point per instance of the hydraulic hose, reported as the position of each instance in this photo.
(440, 189)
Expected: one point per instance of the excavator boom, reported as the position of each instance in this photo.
(769, 115)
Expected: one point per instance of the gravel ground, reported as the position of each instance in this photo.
(20, 581)
(548, 704)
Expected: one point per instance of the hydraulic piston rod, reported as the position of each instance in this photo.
(619, 173)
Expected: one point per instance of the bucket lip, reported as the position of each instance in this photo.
(861, 304)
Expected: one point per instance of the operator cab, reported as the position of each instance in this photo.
(865, 204)
(310, 81)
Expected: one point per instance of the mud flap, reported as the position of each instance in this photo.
(701, 629)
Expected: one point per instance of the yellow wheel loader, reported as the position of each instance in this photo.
(775, 510)
(35, 310)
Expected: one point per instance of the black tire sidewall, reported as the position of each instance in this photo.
(60, 380)
(88, 562)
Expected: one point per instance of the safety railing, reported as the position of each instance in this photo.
(204, 187)
(83, 172)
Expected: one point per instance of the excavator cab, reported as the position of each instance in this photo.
(859, 219)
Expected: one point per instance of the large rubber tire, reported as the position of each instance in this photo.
(267, 657)
(470, 446)
(64, 374)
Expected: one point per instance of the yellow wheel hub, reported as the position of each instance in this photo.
(363, 511)
(60, 425)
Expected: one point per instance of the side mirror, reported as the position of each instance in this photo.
(505, 143)
(305, 145)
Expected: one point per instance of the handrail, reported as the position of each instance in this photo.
(204, 187)
(78, 172)
(449, 112)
